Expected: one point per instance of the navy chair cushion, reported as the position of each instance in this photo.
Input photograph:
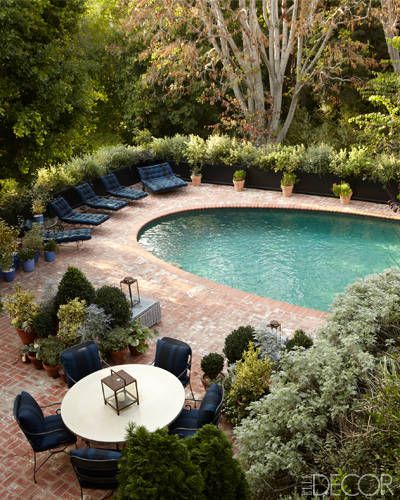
(61, 207)
(95, 467)
(112, 186)
(208, 411)
(110, 182)
(174, 356)
(96, 454)
(68, 236)
(28, 413)
(60, 435)
(90, 198)
(155, 171)
(85, 192)
(86, 218)
(159, 178)
(80, 360)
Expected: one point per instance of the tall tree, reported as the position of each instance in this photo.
(389, 15)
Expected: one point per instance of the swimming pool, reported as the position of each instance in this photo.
(301, 257)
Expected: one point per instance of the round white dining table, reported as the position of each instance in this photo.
(161, 398)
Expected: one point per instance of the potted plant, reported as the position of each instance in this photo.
(116, 343)
(31, 352)
(212, 365)
(22, 310)
(48, 351)
(287, 183)
(196, 175)
(38, 208)
(50, 248)
(140, 335)
(71, 317)
(239, 177)
(27, 257)
(33, 240)
(343, 191)
(8, 245)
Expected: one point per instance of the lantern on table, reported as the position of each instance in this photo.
(119, 390)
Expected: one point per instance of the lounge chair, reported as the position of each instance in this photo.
(64, 212)
(68, 235)
(90, 198)
(160, 178)
(113, 187)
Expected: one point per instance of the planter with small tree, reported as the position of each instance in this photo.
(239, 177)
(49, 350)
(196, 175)
(212, 365)
(71, 317)
(343, 191)
(22, 309)
(115, 344)
(287, 183)
(27, 257)
(33, 240)
(50, 248)
(31, 352)
(8, 245)
(38, 208)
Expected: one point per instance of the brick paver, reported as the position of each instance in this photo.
(194, 309)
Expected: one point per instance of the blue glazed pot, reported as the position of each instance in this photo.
(49, 256)
(36, 257)
(9, 275)
(38, 219)
(28, 265)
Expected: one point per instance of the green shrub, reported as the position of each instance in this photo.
(170, 149)
(74, 284)
(218, 150)
(288, 179)
(71, 316)
(237, 342)
(49, 350)
(223, 476)
(317, 159)
(15, 202)
(195, 153)
(157, 465)
(287, 158)
(45, 321)
(299, 339)
(357, 162)
(116, 339)
(239, 175)
(114, 303)
(386, 169)
(96, 325)
(212, 364)
(33, 239)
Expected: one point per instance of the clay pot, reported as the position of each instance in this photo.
(206, 380)
(287, 191)
(345, 200)
(196, 180)
(118, 357)
(37, 363)
(27, 337)
(52, 370)
(238, 185)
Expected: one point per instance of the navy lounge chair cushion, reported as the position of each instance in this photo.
(80, 360)
(174, 356)
(30, 418)
(64, 212)
(160, 178)
(90, 198)
(112, 186)
(68, 236)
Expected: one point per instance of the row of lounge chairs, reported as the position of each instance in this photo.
(155, 178)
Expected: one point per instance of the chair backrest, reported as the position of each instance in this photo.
(80, 360)
(155, 171)
(174, 356)
(95, 467)
(85, 191)
(29, 417)
(61, 207)
(211, 405)
(110, 182)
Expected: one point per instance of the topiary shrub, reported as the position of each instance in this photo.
(115, 304)
(223, 476)
(212, 364)
(45, 321)
(299, 339)
(157, 465)
(74, 284)
(96, 325)
(237, 342)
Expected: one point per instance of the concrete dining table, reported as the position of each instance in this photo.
(84, 412)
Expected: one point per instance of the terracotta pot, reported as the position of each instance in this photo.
(118, 357)
(52, 370)
(206, 380)
(238, 185)
(196, 180)
(345, 200)
(287, 191)
(27, 337)
(37, 363)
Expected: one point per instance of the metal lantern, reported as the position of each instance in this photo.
(119, 390)
(129, 281)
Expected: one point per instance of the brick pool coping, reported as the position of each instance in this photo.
(194, 309)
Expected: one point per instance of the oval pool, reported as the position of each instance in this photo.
(301, 257)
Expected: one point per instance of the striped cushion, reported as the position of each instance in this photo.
(85, 192)
(96, 454)
(60, 207)
(80, 360)
(209, 406)
(85, 218)
(155, 171)
(164, 184)
(68, 235)
(173, 355)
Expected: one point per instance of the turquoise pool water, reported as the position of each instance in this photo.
(304, 258)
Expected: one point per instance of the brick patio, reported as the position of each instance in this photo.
(194, 309)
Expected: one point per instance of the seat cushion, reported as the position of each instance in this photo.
(110, 181)
(28, 413)
(161, 184)
(96, 454)
(60, 207)
(68, 235)
(86, 218)
(209, 405)
(61, 436)
(106, 203)
(155, 171)
(95, 467)
(173, 355)
(80, 360)
(85, 192)
(129, 193)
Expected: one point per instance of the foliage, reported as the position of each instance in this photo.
(237, 342)
(33, 239)
(50, 246)
(317, 159)
(269, 343)
(218, 150)
(15, 201)
(212, 364)
(287, 159)
(386, 169)
(114, 303)
(49, 350)
(196, 151)
(157, 465)
(239, 175)
(45, 321)
(288, 179)
(356, 162)
(21, 307)
(96, 324)
(299, 339)
(315, 388)
(250, 382)
(8, 244)
(140, 336)
(74, 284)
(71, 316)
(342, 189)
(223, 476)
(116, 339)
(26, 254)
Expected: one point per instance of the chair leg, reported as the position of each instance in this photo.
(34, 467)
